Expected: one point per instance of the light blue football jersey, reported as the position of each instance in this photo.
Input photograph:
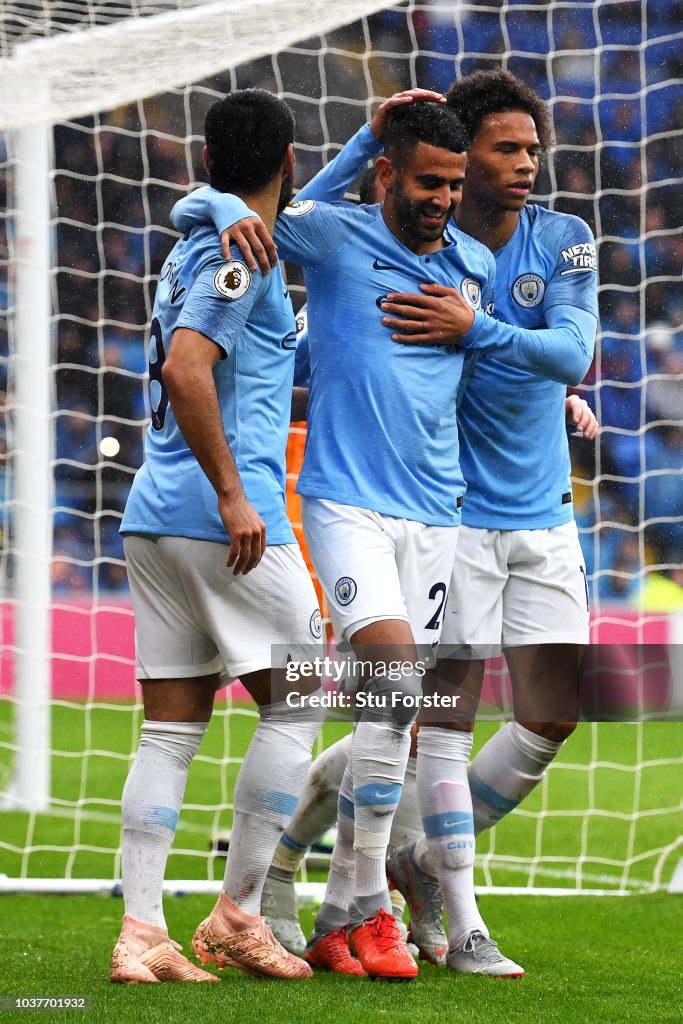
(382, 417)
(514, 451)
(513, 439)
(251, 319)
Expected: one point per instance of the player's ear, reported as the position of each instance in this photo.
(205, 157)
(289, 164)
(386, 173)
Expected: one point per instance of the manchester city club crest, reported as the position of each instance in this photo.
(528, 290)
(345, 590)
(315, 624)
(471, 289)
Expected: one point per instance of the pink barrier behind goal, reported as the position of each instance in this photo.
(93, 648)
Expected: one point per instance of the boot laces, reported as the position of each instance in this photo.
(386, 931)
(484, 949)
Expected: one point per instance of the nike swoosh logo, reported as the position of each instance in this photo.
(384, 266)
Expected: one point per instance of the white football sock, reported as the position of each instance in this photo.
(266, 794)
(150, 805)
(380, 753)
(316, 811)
(446, 807)
(505, 771)
(407, 824)
(334, 910)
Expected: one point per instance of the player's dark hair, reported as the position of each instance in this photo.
(366, 186)
(482, 93)
(247, 134)
(431, 123)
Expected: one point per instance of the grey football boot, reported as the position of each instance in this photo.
(280, 909)
(480, 955)
(423, 896)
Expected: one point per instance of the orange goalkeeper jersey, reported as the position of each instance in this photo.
(295, 456)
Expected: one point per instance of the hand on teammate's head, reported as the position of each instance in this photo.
(380, 120)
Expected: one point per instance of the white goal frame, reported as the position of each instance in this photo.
(46, 82)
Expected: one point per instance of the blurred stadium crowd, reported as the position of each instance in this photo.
(612, 73)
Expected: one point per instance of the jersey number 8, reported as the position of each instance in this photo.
(158, 395)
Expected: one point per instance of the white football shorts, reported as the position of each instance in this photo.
(375, 567)
(515, 588)
(194, 617)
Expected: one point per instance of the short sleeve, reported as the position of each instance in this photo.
(220, 301)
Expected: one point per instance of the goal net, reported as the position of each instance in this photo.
(101, 113)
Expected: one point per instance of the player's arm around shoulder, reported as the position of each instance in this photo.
(306, 232)
(234, 222)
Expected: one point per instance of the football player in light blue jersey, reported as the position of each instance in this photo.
(382, 444)
(519, 574)
(247, 317)
(380, 480)
(516, 453)
(211, 491)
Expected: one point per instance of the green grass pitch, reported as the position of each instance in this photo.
(598, 960)
(588, 959)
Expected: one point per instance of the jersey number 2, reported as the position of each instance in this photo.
(439, 590)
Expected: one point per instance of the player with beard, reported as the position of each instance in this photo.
(380, 482)
(519, 576)
(211, 491)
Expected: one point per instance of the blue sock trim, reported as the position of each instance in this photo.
(455, 823)
(377, 793)
(346, 807)
(278, 802)
(156, 814)
(489, 796)
(292, 844)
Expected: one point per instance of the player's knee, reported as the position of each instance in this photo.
(301, 722)
(176, 742)
(396, 696)
(557, 732)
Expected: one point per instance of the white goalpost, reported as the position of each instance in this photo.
(30, 788)
(101, 114)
